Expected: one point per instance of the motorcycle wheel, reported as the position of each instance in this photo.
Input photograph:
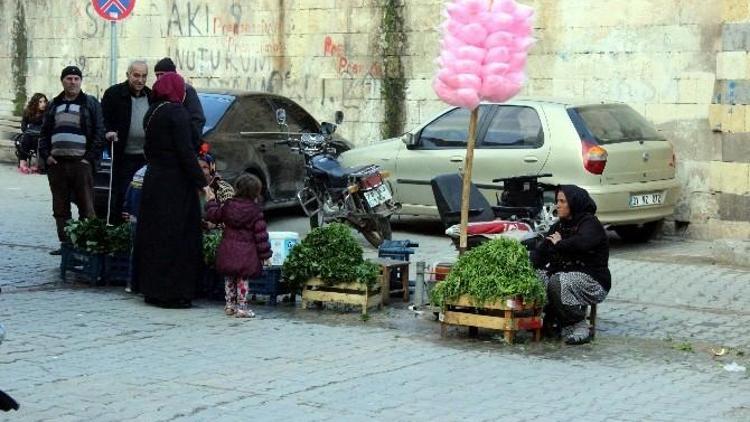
(377, 230)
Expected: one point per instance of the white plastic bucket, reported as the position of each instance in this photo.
(281, 245)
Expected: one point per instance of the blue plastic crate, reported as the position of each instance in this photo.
(399, 250)
(270, 283)
(117, 268)
(90, 265)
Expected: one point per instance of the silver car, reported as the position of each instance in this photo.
(608, 149)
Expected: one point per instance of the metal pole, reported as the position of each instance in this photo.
(112, 52)
(419, 287)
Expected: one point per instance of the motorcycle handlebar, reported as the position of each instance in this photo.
(530, 177)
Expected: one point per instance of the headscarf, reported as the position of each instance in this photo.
(209, 159)
(579, 201)
(170, 87)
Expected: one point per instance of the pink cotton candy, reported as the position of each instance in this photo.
(493, 22)
(497, 55)
(498, 39)
(483, 51)
(465, 66)
(470, 52)
(473, 33)
(467, 98)
(494, 69)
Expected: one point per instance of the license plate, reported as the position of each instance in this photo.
(378, 195)
(646, 199)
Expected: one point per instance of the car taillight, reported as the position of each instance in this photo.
(594, 157)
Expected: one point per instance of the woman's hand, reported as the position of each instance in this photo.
(554, 238)
(209, 194)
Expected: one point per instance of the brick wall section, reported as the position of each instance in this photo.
(684, 64)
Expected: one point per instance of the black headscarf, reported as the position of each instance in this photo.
(579, 202)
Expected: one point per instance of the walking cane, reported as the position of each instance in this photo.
(109, 193)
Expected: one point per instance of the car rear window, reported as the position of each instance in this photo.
(612, 123)
(214, 107)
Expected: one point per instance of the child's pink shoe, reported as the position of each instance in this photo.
(229, 310)
(241, 313)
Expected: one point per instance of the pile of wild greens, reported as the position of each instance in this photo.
(94, 236)
(211, 241)
(496, 270)
(332, 254)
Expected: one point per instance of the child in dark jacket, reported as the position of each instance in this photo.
(244, 246)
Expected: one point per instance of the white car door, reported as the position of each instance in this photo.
(438, 147)
(515, 143)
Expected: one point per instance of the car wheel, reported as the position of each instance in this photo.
(638, 233)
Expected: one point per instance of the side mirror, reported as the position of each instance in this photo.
(281, 116)
(408, 139)
(327, 128)
(339, 117)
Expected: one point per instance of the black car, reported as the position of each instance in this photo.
(242, 132)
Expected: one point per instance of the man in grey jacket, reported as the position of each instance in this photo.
(191, 102)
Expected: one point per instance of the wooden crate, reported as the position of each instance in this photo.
(347, 293)
(500, 315)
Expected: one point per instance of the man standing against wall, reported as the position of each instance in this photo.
(124, 105)
(71, 142)
(191, 101)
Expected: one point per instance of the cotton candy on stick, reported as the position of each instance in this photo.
(483, 57)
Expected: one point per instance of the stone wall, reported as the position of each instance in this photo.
(682, 63)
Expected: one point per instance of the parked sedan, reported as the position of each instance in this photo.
(607, 148)
(242, 130)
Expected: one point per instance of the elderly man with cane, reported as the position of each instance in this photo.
(124, 105)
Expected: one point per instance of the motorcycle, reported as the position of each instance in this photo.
(358, 196)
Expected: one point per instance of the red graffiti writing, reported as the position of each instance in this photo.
(346, 65)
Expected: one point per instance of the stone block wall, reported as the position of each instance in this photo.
(683, 64)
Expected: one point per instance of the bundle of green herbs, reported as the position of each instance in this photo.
(118, 239)
(332, 254)
(89, 235)
(94, 236)
(211, 241)
(496, 270)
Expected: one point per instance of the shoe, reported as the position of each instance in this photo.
(579, 333)
(241, 313)
(33, 169)
(229, 310)
(57, 251)
(24, 170)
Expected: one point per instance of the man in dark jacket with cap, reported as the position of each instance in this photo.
(71, 143)
(191, 101)
(124, 105)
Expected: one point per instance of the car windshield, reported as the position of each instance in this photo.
(611, 123)
(214, 107)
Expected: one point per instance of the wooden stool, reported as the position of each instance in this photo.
(387, 266)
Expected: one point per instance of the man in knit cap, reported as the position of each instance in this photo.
(71, 143)
(191, 101)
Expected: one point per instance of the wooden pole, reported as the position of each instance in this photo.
(466, 176)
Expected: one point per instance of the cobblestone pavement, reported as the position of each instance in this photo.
(80, 353)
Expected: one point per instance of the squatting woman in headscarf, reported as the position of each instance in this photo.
(573, 264)
(168, 249)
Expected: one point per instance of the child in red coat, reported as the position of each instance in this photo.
(244, 246)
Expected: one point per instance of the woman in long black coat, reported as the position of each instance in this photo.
(168, 249)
